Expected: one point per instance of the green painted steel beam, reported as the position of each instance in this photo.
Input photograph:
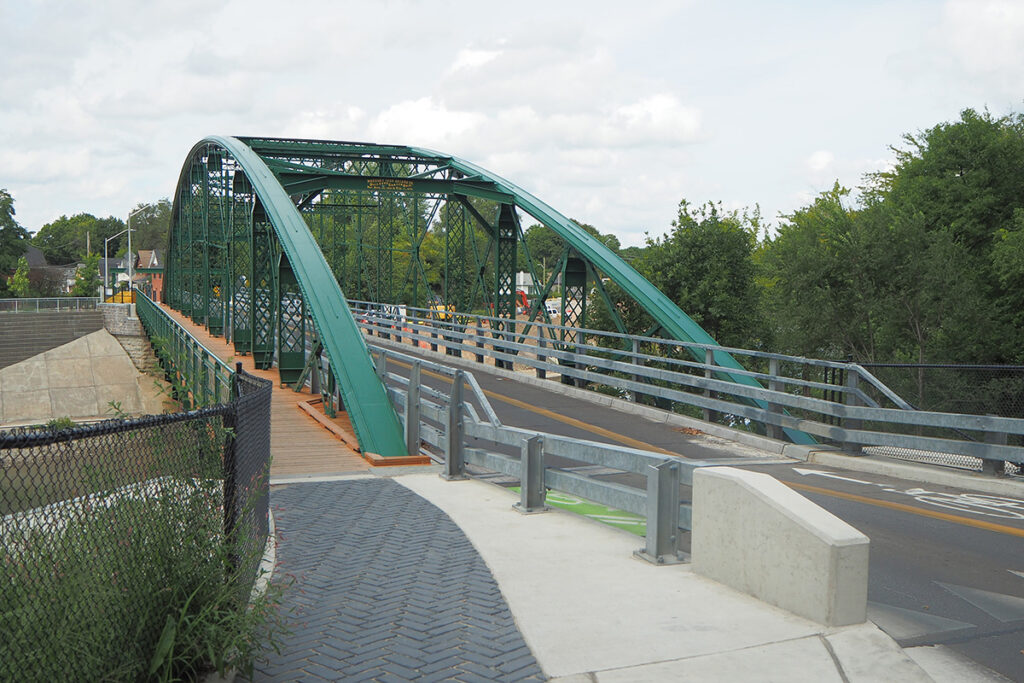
(373, 416)
(301, 183)
(671, 318)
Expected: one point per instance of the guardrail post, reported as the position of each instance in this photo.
(412, 411)
(532, 493)
(709, 360)
(580, 342)
(774, 431)
(381, 366)
(662, 514)
(454, 463)
(479, 338)
(542, 342)
(850, 398)
(433, 340)
(993, 466)
(633, 395)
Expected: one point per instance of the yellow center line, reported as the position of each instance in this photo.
(586, 426)
(636, 443)
(934, 514)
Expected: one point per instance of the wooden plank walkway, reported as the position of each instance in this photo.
(298, 443)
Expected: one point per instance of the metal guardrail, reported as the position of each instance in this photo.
(854, 409)
(198, 376)
(66, 303)
(445, 422)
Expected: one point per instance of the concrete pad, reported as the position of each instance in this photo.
(114, 369)
(153, 398)
(757, 535)
(948, 666)
(79, 348)
(28, 375)
(560, 573)
(74, 402)
(866, 654)
(31, 406)
(102, 343)
(806, 659)
(126, 394)
(69, 372)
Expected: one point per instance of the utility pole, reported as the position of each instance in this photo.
(88, 249)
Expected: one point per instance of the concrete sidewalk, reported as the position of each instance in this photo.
(585, 607)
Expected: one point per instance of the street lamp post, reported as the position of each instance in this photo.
(131, 261)
(106, 269)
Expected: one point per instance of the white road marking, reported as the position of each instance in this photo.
(832, 476)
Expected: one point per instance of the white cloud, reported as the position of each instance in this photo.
(468, 59)
(820, 160)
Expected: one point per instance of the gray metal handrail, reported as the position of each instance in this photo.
(847, 421)
(438, 419)
(57, 303)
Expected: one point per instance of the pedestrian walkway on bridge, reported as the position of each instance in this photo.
(400, 575)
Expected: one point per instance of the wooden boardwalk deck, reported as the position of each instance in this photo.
(298, 443)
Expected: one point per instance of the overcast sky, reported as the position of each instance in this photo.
(612, 112)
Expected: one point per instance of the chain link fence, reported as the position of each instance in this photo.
(108, 531)
(966, 389)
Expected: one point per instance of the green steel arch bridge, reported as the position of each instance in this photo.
(270, 235)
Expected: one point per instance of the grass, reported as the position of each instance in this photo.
(115, 566)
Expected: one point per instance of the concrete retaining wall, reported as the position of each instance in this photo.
(23, 335)
(755, 534)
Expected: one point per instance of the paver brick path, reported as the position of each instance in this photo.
(387, 588)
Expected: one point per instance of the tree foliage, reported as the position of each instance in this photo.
(927, 269)
(13, 240)
(64, 240)
(87, 279)
(18, 284)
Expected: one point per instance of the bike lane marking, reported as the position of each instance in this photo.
(902, 507)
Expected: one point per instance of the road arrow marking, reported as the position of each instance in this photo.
(1014, 571)
(833, 476)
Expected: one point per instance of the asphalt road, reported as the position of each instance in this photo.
(947, 564)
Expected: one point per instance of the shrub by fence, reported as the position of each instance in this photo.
(121, 540)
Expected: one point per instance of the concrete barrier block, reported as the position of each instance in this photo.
(754, 534)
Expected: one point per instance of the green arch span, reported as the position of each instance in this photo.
(372, 414)
(674, 321)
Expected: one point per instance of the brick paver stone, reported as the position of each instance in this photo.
(387, 588)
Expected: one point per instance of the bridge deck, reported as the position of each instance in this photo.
(298, 444)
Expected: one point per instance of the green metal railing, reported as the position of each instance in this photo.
(198, 376)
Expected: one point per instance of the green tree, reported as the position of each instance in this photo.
(87, 279)
(64, 240)
(18, 284)
(706, 266)
(150, 225)
(13, 240)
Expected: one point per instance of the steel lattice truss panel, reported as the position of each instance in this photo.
(267, 234)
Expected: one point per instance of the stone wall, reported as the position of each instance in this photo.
(120, 320)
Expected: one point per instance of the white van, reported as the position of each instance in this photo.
(553, 306)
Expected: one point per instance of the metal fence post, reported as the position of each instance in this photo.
(992, 466)
(774, 430)
(412, 411)
(709, 360)
(542, 343)
(433, 340)
(581, 341)
(381, 366)
(634, 396)
(662, 514)
(532, 493)
(850, 398)
(479, 338)
(454, 463)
